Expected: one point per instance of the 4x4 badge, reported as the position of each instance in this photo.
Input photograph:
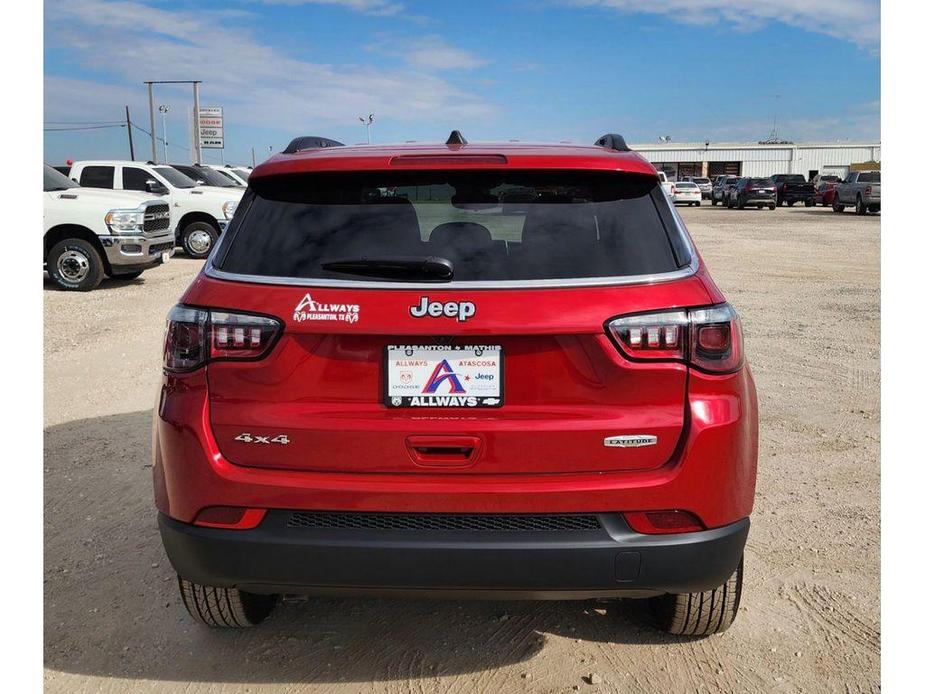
(630, 441)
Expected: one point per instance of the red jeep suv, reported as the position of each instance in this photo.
(494, 370)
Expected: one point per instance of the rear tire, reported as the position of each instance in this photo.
(837, 206)
(198, 239)
(699, 614)
(772, 206)
(810, 202)
(75, 265)
(740, 203)
(790, 203)
(713, 201)
(859, 206)
(226, 608)
(696, 204)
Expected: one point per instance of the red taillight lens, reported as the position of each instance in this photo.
(716, 339)
(196, 336)
(651, 335)
(663, 522)
(230, 517)
(709, 339)
(867, 190)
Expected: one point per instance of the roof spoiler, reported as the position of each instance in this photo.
(613, 141)
(300, 144)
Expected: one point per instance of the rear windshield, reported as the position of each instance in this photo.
(491, 225)
(870, 177)
(792, 178)
(761, 182)
(684, 184)
(701, 180)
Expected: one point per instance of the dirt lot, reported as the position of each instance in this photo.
(806, 282)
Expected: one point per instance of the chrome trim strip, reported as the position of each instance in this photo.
(688, 270)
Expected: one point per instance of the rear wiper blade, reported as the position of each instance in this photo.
(398, 267)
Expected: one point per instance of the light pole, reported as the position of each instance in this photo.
(163, 108)
(368, 121)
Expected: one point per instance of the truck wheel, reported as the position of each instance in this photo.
(75, 265)
(859, 206)
(197, 239)
(790, 203)
(713, 201)
(810, 202)
(699, 614)
(696, 204)
(772, 206)
(740, 203)
(837, 206)
(224, 607)
(760, 205)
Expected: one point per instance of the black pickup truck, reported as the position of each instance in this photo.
(793, 188)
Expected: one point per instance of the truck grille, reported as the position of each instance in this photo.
(157, 217)
(442, 522)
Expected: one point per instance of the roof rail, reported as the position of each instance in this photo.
(613, 141)
(456, 138)
(300, 144)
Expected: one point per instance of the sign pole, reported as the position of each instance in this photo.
(197, 149)
(153, 122)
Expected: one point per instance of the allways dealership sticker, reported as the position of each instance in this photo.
(309, 309)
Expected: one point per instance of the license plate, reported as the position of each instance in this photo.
(165, 256)
(438, 376)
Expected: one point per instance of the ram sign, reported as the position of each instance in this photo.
(211, 127)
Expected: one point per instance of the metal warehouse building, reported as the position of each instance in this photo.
(749, 159)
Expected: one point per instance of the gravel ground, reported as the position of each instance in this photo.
(806, 282)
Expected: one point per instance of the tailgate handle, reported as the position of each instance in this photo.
(444, 451)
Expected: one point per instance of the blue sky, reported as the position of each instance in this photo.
(548, 70)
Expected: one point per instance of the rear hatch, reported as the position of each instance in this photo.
(385, 364)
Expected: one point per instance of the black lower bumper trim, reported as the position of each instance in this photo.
(609, 561)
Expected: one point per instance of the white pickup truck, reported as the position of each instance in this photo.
(92, 233)
(199, 213)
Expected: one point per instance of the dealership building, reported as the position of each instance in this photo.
(753, 159)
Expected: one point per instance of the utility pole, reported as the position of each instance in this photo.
(153, 122)
(128, 124)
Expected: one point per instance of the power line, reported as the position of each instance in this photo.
(82, 122)
(86, 127)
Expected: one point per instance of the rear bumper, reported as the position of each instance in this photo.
(609, 561)
(752, 201)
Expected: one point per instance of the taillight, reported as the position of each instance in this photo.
(867, 190)
(709, 339)
(196, 336)
(663, 522)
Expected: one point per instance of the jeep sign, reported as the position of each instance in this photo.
(211, 127)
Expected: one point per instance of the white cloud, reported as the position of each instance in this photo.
(857, 21)
(428, 53)
(257, 83)
(382, 8)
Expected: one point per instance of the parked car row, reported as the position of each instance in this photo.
(861, 190)
(120, 218)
